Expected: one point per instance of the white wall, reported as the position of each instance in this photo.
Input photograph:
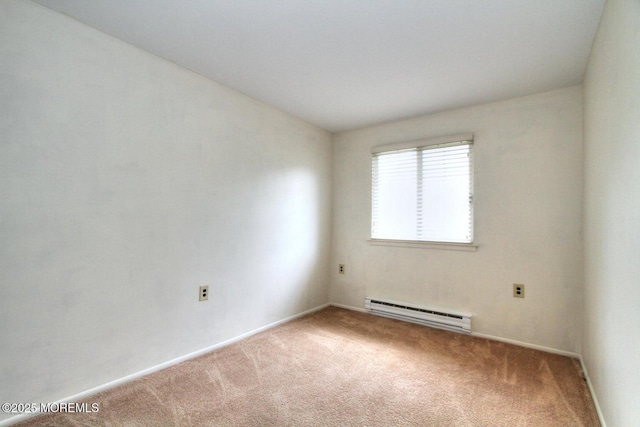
(611, 346)
(126, 182)
(528, 196)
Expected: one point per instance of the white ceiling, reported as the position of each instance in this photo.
(345, 64)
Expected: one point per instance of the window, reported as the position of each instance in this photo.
(423, 191)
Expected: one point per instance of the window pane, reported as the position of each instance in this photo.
(445, 201)
(394, 196)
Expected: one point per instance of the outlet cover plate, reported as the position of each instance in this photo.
(518, 290)
(204, 293)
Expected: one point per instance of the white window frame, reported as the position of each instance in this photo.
(467, 138)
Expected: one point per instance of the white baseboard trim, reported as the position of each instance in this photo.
(348, 307)
(592, 392)
(95, 390)
(527, 345)
(487, 336)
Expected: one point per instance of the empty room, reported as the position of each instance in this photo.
(313, 213)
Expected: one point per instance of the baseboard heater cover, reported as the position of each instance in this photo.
(450, 321)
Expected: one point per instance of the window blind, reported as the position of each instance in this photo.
(423, 193)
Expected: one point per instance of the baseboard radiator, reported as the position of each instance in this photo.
(451, 321)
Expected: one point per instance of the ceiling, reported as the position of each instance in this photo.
(346, 64)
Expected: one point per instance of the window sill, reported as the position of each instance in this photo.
(468, 247)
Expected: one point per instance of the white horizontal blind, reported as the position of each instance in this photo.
(395, 195)
(423, 193)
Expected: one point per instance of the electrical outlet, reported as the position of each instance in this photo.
(204, 293)
(518, 290)
(340, 268)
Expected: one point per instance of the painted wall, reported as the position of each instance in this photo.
(528, 197)
(611, 346)
(126, 182)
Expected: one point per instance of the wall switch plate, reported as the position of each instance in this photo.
(518, 290)
(204, 293)
(340, 268)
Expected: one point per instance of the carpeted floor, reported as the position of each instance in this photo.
(341, 368)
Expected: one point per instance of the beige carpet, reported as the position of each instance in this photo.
(341, 368)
